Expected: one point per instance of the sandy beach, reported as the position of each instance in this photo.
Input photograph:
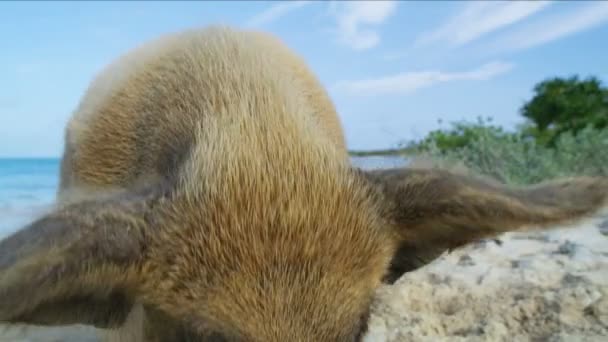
(533, 287)
(550, 286)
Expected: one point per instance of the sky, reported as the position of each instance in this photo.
(393, 68)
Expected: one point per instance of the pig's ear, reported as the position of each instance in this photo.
(75, 265)
(434, 210)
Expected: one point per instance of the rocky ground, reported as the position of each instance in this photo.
(533, 287)
(529, 287)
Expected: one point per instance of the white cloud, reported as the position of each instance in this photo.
(481, 18)
(275, 12)
(351, 16)
(556, 27)
(411, 81)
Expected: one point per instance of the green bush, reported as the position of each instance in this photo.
(461, 134)
(514, 157)
(565, 133)
(565, 105)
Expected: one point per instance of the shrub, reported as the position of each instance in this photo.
(565, 105)
(515, 158)
(460, 135)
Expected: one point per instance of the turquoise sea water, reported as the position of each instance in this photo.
(28, 187)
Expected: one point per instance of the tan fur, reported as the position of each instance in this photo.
(150, 85)
(206, 193)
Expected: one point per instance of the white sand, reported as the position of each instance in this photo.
(534, 287)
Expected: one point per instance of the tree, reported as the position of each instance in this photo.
(565, 105)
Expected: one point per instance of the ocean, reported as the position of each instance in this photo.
(28, 187)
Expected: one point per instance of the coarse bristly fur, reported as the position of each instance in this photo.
(207, 195)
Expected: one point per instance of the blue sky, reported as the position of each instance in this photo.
(393, 68)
